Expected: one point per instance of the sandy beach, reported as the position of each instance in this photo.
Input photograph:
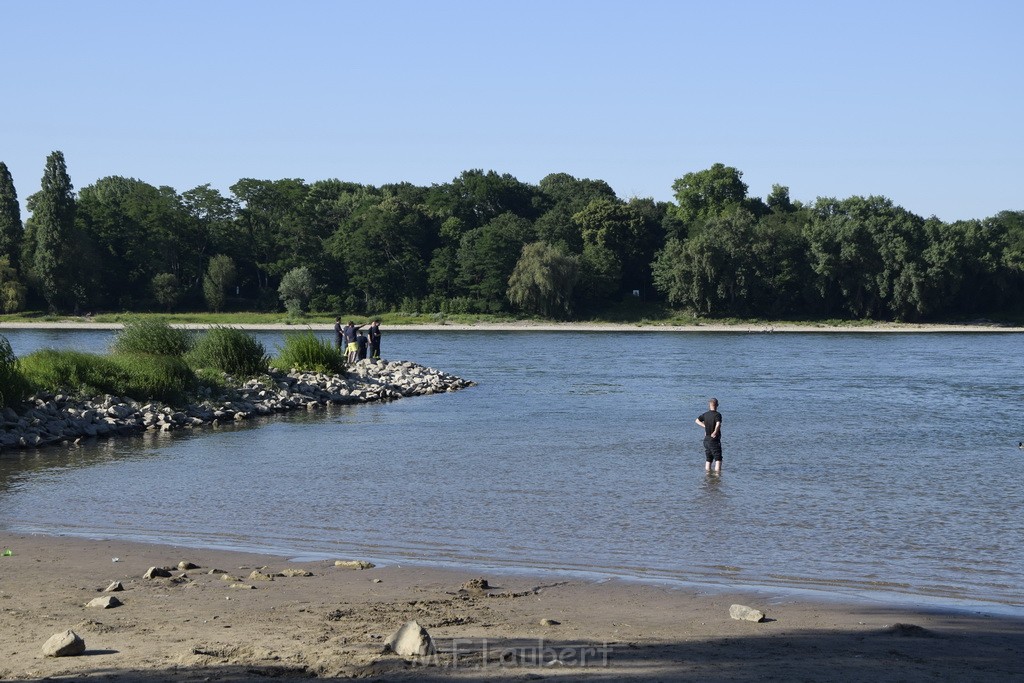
(530, 326)
(198, 626)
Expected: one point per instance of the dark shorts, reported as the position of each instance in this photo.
(712, 449)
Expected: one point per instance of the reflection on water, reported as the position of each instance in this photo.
(852, 462)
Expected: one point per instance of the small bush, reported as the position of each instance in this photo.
(229, 350)
(14, 388)
(153, 337)
(309, 353)
(139, 376)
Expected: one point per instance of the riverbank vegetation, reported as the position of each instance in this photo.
(149, 360)
(488, 246)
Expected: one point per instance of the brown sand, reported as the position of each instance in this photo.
(531, 326)
(333, 624)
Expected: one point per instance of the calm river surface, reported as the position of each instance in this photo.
(854, 463)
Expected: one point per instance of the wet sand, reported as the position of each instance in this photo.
(333, 624)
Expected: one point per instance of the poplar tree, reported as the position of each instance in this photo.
(50, 233)
(11, 231)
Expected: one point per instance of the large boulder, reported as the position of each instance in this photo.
(105, 602)
(64, 644)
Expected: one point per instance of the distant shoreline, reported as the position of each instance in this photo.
(527, 326)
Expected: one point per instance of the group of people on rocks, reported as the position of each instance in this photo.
(358, 345)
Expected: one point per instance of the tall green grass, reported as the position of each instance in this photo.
(229, 350)
(138, 376)
(14, 388)
(153, 336)
(309, 353)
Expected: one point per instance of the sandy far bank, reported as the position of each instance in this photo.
(332, 625)
(528, 326)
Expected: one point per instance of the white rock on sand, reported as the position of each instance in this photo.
(64, 644)
(412, 640)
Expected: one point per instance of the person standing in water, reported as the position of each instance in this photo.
(711, 421)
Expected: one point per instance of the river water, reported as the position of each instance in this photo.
(859, 464)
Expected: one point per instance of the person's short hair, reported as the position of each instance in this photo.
(713, 402)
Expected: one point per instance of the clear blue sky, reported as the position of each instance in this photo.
(920, 101)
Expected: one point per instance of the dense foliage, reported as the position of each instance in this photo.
(488, 243)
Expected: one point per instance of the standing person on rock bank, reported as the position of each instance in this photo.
(711, 421)
(350, 337)
(338, 336)
(374, 333)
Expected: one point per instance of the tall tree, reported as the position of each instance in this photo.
(383, 249)
(707, 194)
(713, 272)
(50, 235)
(868, 255)
(477, 198)
(488, 255)
(11, 229)
(220, 274)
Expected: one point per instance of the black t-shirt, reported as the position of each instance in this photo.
(374, 336)
(710, 419)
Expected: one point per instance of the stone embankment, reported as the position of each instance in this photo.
(48, 419)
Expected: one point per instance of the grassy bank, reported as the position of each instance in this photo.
(150, 360)
(638, 314)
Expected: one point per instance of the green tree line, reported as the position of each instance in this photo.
(489, 243)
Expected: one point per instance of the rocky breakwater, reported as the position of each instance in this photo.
(48, 419)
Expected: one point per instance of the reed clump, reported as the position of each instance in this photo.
(155, 337)
(309, 353)
(229, 350)
(14, 388)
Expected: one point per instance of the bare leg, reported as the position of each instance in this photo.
(718, 467)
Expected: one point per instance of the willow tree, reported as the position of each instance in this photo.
(543, 280)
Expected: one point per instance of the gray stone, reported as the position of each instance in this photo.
(354, 564)
(744, 613)
(154, 572)
(412, 640)
(105, 602)
(114, 587)
(64, 644)
(549, 622)
(295, 572)
(184, 565)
